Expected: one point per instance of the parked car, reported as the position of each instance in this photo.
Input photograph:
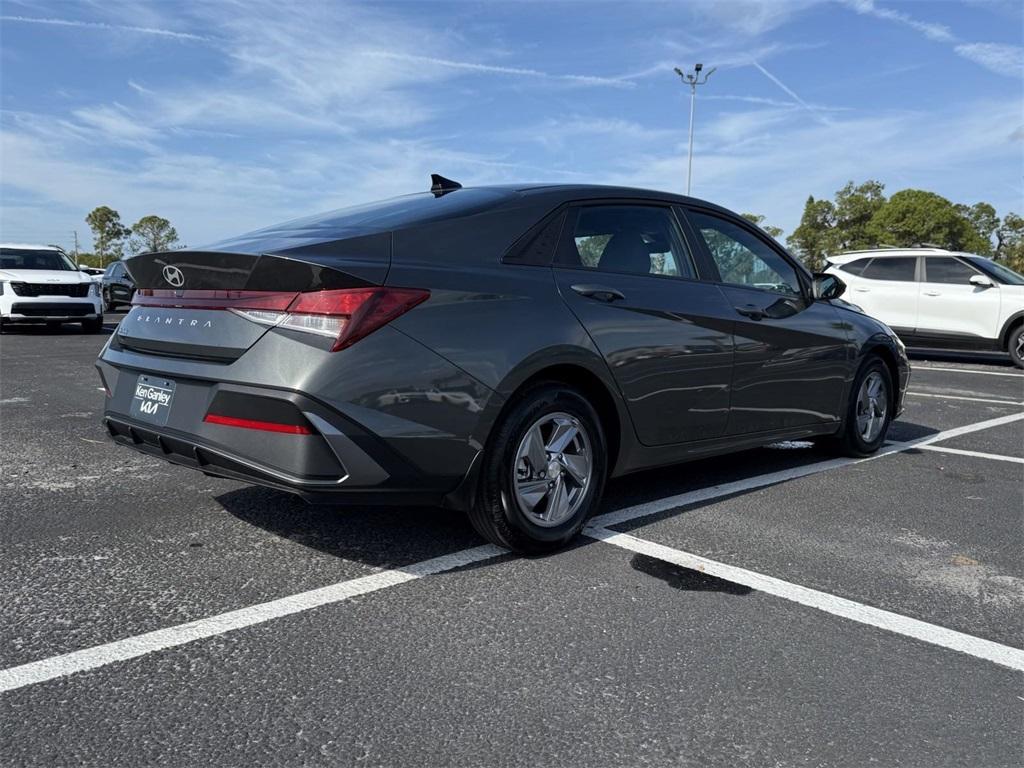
(94, 273)
(576, 333)
(117, 286)
(939, 299)
(40, 284)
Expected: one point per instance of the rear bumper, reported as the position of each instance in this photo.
(218, 461)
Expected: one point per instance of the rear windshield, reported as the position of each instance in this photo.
(381, 216)
(29, 258)
(1000, 272)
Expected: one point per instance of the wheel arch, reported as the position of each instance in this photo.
(1011, 324)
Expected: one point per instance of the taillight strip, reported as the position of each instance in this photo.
(266, 426)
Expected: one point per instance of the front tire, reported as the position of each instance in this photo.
(869, 411)
(1015, 346)
(543, 471)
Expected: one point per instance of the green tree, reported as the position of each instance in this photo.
(855, 207)
(758, 220)
(108, 233)
(915, 216)
(815, 238)
(152, 233)
(985, 223)
(1010, 238)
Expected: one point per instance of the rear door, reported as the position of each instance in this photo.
(791, 353)
(625, 271)
(952, 307)
(887, 288)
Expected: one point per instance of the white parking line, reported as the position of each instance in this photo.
(967, 370)
(1004, 655)
(969, 399)
(975, 454)
(132, 647)
(158, 640)
(771, 478)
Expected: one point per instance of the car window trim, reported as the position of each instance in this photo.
(567, 241)
(803, 275)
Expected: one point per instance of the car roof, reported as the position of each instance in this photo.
(31, 247)
(881, 253)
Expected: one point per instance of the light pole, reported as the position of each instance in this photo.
(693, 79)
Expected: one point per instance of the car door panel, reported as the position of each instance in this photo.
(667, 340)
(791, 353)
(893, 301)
(950, 305)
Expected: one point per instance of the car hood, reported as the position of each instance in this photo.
(63, 276)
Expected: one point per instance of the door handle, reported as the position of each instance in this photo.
(932, 293)
(752, 311)
(599, 292)
(862, 290)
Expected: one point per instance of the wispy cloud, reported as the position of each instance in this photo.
(1001, 58)
(99, 25)
(938, 32)
(997, 57)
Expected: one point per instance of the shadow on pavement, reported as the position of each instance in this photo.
(678, 577)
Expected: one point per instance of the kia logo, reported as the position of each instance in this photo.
(174, 276)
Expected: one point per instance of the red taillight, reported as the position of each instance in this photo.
(266, 426)
(346, 315)
(355, 313)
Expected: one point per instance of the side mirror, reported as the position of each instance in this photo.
(827, 287)
(981, 281)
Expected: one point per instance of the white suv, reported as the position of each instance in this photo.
(938, 299)
(39, 283)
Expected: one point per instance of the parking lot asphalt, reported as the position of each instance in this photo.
(771, 608)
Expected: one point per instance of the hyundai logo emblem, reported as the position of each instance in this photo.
(174, 276)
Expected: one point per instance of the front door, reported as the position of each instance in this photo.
(666, 336)
(951, 308)
(792, 353)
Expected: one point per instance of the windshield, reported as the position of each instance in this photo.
(999, 271)
(30, 258)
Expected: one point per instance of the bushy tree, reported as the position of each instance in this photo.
(815, 238)
(855, 207)
(108, 233)
(1010, 239)
(152, 233)
(915, 217)
(985, 223)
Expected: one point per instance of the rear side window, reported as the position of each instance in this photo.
(633, 239)
(855, 267)
(942, 269)
(895, 268)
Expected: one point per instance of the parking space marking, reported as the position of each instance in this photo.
(967, 370)
(140, 645)
(771, 478)
(42, 670)
(975, 454)
(969, 399)
(1004, 655)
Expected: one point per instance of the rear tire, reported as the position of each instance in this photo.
(868, 412)
(94, 325)
(1015, 346)
(562, 482)
(108, 305)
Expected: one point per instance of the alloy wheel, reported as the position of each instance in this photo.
(872, 406)
(553, 469)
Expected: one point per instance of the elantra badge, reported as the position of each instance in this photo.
(174, 276)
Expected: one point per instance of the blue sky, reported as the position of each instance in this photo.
(226, 116)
